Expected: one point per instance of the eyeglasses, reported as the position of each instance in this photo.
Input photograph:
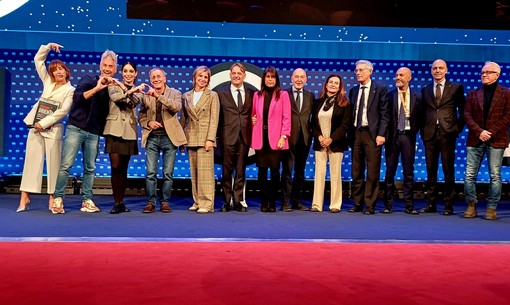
(488, 72)
(360, 70)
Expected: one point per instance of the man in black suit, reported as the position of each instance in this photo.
(404, 111)
(371, 117)
(300, 141)
(443, 115)
(235, 137)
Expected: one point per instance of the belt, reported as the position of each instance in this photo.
(363, 128)
(404, 132)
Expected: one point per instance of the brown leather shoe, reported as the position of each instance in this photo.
(149, 208)
(490, 214)
(471, 211)
(165, 208)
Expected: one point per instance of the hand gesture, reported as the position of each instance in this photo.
(55, 47)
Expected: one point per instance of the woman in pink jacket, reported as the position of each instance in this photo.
(271, 114)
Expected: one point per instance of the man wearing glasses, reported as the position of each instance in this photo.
(487, 116)
(370, 117)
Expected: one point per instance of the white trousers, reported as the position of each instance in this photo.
(335, 167)
(40, 148)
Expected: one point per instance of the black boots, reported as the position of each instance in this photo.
(119, 207)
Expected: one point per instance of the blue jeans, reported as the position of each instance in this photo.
(76, 139)
(156, 145)
(474, 160)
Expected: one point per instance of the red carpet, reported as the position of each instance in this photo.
(40, 273)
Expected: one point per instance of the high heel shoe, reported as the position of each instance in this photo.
(25, 208)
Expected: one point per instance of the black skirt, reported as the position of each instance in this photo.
(120, 146)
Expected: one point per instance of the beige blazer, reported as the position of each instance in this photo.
(200, 122)
(63, 96)
(171, 105)
(121, 120)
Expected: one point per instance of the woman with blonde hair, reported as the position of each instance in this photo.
(199, 119)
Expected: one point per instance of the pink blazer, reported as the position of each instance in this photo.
(278, 121)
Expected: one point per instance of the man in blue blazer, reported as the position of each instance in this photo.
(370, 117)
(401, 142)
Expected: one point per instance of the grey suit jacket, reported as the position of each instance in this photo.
(200, 122)
(171, 105)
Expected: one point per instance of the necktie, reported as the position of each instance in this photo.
(438, 93)
(402, 113)
(359, 115)
(239, 100)
(298, 100)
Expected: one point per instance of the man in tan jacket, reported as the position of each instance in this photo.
(162, 133)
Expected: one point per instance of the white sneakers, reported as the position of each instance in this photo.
(58, 206)
(89, 206)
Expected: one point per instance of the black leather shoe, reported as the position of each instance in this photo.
(387, 211)
(272, 207)
(356, 209)
(119, 208)
(115, 209)
(264, 207)
(240, 208)
(429, 209)
(286, 207)
(448, 212)
(300, 207)
(411, 211)
(368, 211)
(226, 208)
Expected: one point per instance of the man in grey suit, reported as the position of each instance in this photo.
(299, 142)
(235, 137)
(371, 118)
(162, 133)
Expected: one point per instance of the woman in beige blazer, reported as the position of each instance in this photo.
(46, 130)
(200, 114)
(120, 131)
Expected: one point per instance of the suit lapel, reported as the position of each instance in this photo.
(495, 99)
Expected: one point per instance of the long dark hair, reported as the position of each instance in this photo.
(263, 88)
(132, 64)
(340, 97)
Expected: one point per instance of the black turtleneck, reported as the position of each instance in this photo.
(488, 94)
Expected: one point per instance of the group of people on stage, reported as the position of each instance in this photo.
(280, 125)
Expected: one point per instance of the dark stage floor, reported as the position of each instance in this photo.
(39, 224)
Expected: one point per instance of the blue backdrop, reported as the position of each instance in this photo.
(87, 29)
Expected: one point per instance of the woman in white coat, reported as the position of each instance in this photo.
(46, 129)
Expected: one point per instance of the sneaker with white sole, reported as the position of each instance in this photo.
(58, 206)
(89, 206)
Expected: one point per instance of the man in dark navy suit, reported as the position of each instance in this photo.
(443, 114)
(401, 142)
(371, 117)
